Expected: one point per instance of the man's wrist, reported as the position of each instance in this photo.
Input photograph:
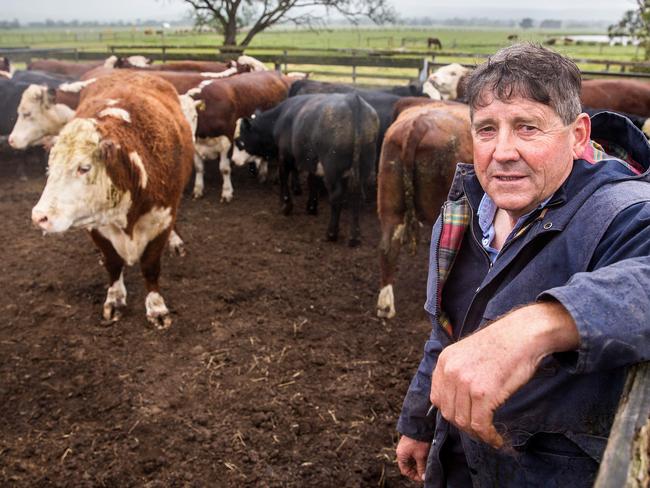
(551, 326)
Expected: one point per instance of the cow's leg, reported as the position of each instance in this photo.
(295, 182)
(389, 249)
(176, 244)
(312, 199)
(284, 169)
(355, 227)
(157, 311)
(199, 170)
(336, 192)
(224, 167)
(262, 170)
(114, 264)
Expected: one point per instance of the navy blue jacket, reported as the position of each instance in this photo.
(591, 252)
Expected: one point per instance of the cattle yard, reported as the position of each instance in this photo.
(276, 371)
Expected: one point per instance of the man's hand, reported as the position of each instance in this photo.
(476, 375)
(412, 457)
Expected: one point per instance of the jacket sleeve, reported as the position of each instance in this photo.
(413, 421)
(609, 303)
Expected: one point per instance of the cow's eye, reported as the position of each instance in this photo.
(27, 114)
(239, 144)
(82, 169)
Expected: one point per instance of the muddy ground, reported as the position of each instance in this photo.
(275, 373)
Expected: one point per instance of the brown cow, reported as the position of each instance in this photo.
(418, 160)
(226, 101)
(68, 68)
(118, 169)
(630, 96)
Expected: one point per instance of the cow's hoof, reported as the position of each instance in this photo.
(312, 209)
(297, 191)
(386, 303)
(287, 209)
(160, 322)
(157, 312)
(176, 245)
(226, 198)
(111, 313)
(197, 194)
(354, 242)
(332, 237)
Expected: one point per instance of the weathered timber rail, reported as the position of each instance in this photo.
(626, 462)
(288, 59)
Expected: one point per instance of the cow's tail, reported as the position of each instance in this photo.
(414, 135)
(355, 172)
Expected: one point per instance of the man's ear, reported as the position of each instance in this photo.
(581, 128)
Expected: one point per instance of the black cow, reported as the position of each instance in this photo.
(36, 77)
(381, 101)
(328, 135)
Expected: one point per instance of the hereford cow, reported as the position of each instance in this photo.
(118, 170)
(43, 112)
(627, 96)
(631, 96)
(226, 101)
(417, 164)
(333, 136)
(68, 68)
(447, 82)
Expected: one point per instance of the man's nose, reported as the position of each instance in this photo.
(505, 148)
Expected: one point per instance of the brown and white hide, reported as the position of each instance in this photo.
(118, 170)
(226, 101)
(418, 160)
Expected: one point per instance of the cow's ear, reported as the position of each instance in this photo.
(246, 122)
(200, 105)
(49, 97)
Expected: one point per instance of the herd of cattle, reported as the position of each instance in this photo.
(123, 136)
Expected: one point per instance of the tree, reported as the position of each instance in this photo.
(229, 15)
(526, 23)
(636, 24)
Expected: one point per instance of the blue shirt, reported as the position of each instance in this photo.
(487, 209)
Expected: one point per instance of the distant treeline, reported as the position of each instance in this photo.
(49, 23)
(503, 23)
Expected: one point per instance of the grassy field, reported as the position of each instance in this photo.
(455, 42)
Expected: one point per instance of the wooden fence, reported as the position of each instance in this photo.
(419, 62)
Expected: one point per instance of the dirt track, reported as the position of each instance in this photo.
(275, 373)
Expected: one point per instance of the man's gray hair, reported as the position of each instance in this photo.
(528, 71)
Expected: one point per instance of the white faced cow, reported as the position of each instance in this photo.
(118, 170)
(443, 83)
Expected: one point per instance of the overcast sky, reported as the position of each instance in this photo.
(103, 10)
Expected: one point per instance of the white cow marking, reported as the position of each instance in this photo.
(157, 311)
(76, 86)
(115, 299)
(118, 113)
(147, 228)
(386, 303)
(137, 161)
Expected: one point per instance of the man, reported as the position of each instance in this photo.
(538, 286)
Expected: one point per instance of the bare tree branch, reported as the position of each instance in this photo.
(262, 14)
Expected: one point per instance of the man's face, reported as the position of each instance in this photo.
(523, 152)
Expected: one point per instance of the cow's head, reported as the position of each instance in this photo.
(38, 117)
(87, 180)
(251, 143)
(445, 80)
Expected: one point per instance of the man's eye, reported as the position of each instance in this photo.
(485, 131)
(528, 128)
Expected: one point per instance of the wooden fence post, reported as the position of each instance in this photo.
(626, 462)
